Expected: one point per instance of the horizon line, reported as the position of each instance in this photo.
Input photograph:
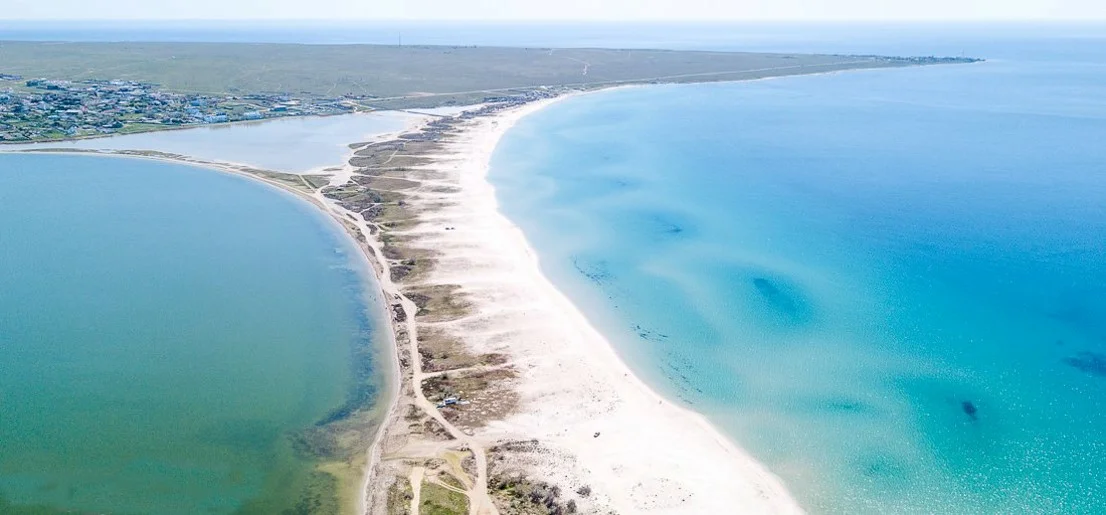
(735, 21)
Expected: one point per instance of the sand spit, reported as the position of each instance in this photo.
(506, 399)
(547, 418)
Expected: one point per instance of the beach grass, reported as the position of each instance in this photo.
(399, 497)
(317, 181)
(438, 500)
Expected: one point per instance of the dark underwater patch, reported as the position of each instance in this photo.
(969, 408)
(766, 287)
(1084, 312)
(596, 272)
(658, 225)
(1088, 362)
(649, 334)
(667, 226)
(845, 405)
(246, 434)
(678, 369)
(782, 300)
(884, 467)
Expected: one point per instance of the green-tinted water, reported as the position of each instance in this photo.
(165, 334)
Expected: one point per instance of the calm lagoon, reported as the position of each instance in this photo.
(167, 334)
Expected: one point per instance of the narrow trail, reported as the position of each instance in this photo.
(480, 502)
(478, 368)
(415, 478)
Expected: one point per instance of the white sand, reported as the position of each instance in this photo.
(651, 456)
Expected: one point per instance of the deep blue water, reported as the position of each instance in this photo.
(890, 286)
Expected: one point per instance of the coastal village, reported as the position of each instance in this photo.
(41, 109)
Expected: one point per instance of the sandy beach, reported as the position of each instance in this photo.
(575, 417)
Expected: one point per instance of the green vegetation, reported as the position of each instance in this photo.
(451, 481)
(518, 495)
(317, 181)
(375, 72)
(132, 128)
(399, 497)
(291, 180)
(53, 91)
(438, 500)
(438, 303)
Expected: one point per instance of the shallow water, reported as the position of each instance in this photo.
(295, 144)
(890, 286)
(160, 349)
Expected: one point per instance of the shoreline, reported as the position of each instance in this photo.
(618, 476)
(772, 494)
(379, 414)
(536, 442)
(783, 502)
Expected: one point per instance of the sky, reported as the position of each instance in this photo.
(598, 10)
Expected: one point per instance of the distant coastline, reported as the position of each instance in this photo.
(52, 92)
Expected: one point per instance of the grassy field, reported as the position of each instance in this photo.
(437, 500)
(391, 71)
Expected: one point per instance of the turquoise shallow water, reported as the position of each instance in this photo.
(890, 286)
(165, 331)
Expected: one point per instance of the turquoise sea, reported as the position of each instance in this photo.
(166, 334)
(889, 286)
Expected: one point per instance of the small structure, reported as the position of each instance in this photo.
(451, 401)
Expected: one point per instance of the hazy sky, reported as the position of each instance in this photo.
(557, 9)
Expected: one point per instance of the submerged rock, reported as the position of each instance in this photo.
(596, 272)
(765, 287)
(1092, 363)
(847, 406)
(785, 300)
(969, 409)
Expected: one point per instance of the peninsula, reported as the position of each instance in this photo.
(506, 399)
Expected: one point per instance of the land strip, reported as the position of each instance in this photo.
(498, 367)
(55, 91)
